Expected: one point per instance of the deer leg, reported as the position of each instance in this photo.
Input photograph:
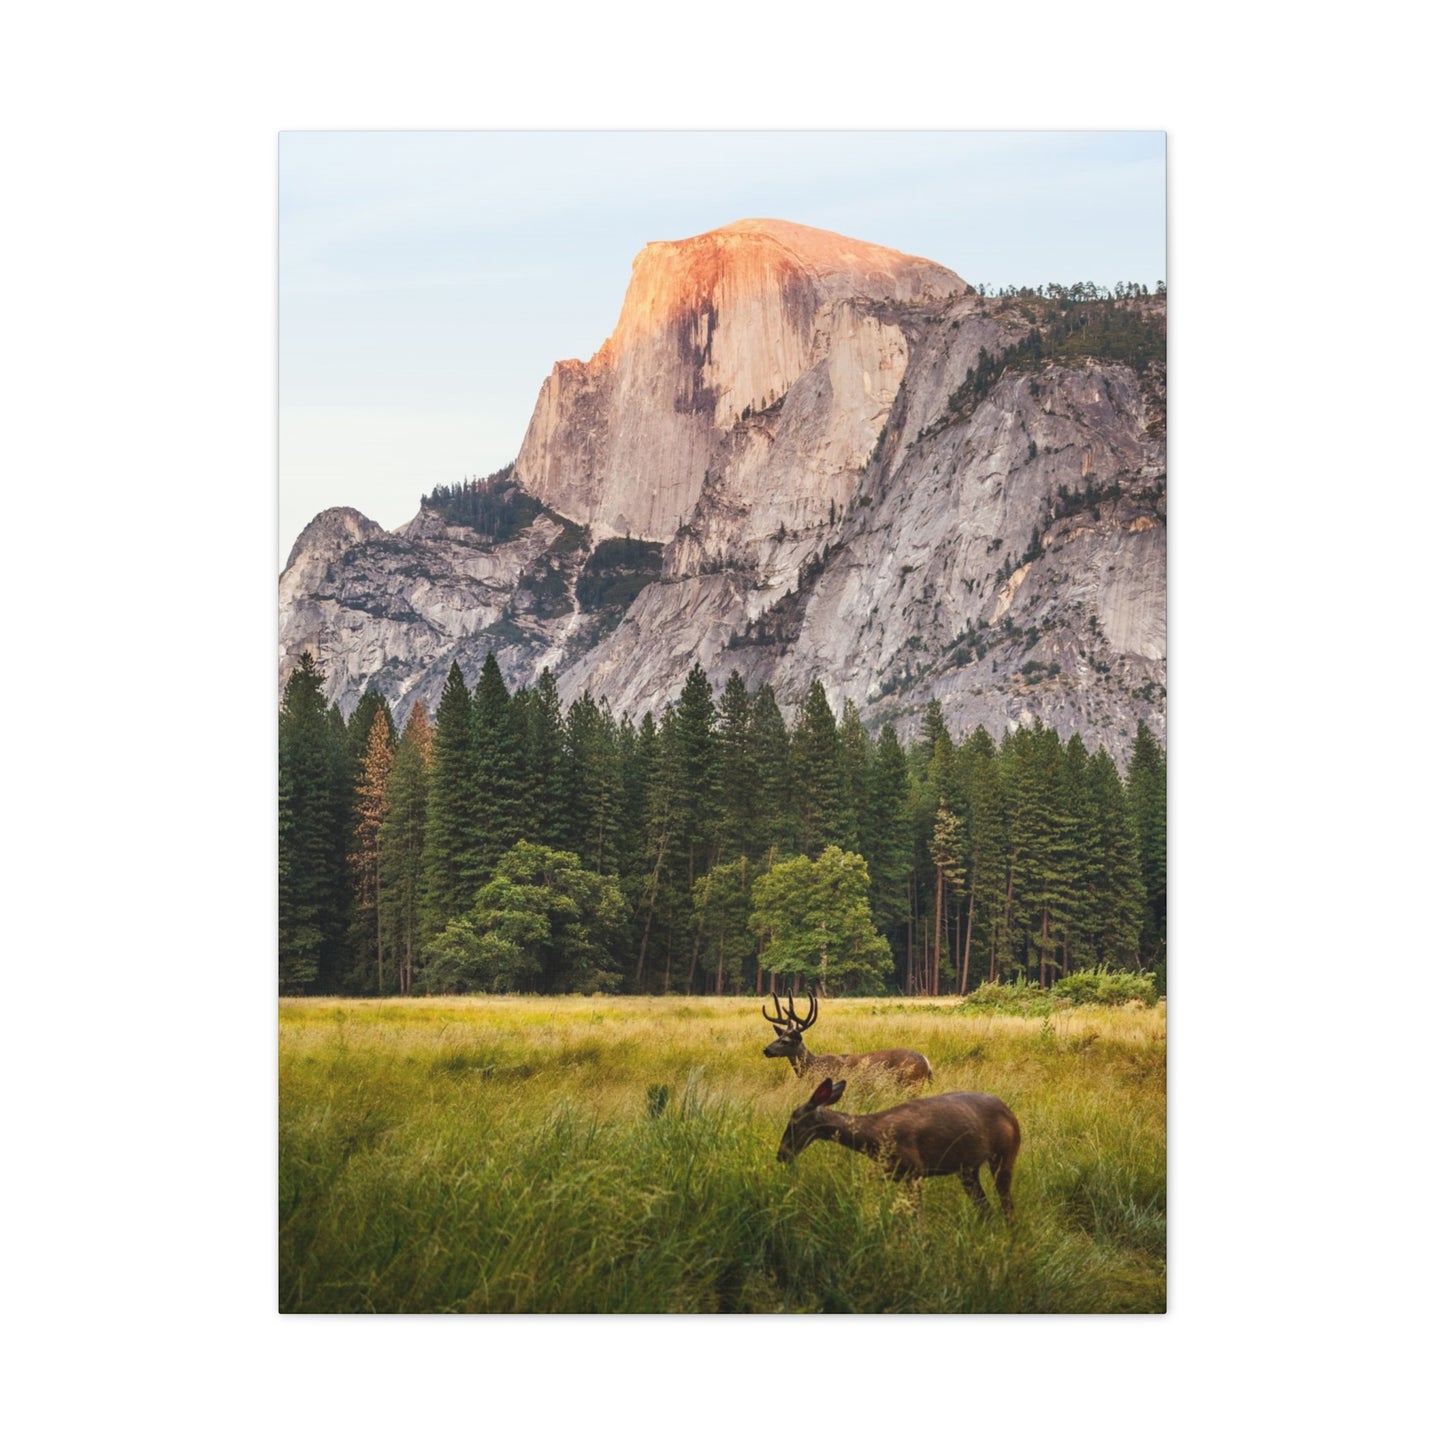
(1003, 1174)
(971, 1187)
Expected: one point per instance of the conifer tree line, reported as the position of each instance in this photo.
(509, 844)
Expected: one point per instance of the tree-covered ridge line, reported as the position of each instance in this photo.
(495, 506)
(509, 845)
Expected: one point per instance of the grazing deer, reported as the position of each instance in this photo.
(907, 1066)
(942, 1134)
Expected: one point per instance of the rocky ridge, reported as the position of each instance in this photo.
(794, 419)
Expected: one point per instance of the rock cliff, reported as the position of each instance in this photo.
(851, 466)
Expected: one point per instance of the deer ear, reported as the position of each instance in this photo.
(837, 1091)
(824, 1094)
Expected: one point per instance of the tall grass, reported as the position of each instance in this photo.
(575, 1155)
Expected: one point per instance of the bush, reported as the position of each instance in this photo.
(1027, 999)
(1108, 988)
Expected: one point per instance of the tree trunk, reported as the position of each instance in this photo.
(379, 979)
(967, 945)
(908, 969)
(651, 909)
(697, 937)
(937, 930)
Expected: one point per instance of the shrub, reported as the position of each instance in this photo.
(1027, 999)
(1108, 988)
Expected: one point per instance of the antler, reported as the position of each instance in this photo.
(790, 1016)
(802, 1024)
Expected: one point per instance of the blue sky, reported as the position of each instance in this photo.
(429, 279)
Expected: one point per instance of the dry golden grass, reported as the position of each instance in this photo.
(513, 1153)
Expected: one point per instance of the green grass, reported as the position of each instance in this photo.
(510, 1154)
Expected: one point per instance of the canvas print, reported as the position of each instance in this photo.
(722, 697)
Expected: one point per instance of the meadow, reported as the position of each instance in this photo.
(579, 1155)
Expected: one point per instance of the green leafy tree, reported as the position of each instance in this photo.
(722, 900)
(817, 930)
(542, 921)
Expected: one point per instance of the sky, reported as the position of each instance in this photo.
(429, 279)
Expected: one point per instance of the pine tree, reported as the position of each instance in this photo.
(637, 759)
(888, 840)
(946, 848)
(452, 861)
(776, 819)
(817, 764)
(365, 858)
(987, 848)
(548, 804)
(595, 784)
(1147, 789)
(1084, 864)
(699, 801)
(403, 845)
(497, 767)
(1040, 837)
(661, 903)
(313, 777)
(935, 742)
(854, 752)
(1119, 882)
(698, 806)
(737, 771)
(359, 724)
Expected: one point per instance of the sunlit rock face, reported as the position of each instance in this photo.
(777, 412)
(713, 328)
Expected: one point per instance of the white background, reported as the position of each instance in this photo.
(139, 388)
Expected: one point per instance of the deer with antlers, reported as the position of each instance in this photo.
(906, 1066)
(922, 1139)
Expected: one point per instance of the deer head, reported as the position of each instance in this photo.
(789, 1029)
(806, 1125)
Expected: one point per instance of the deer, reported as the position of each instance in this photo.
(906, 1066)
(922, 1139)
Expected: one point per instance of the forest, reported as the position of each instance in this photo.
(510, 845)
